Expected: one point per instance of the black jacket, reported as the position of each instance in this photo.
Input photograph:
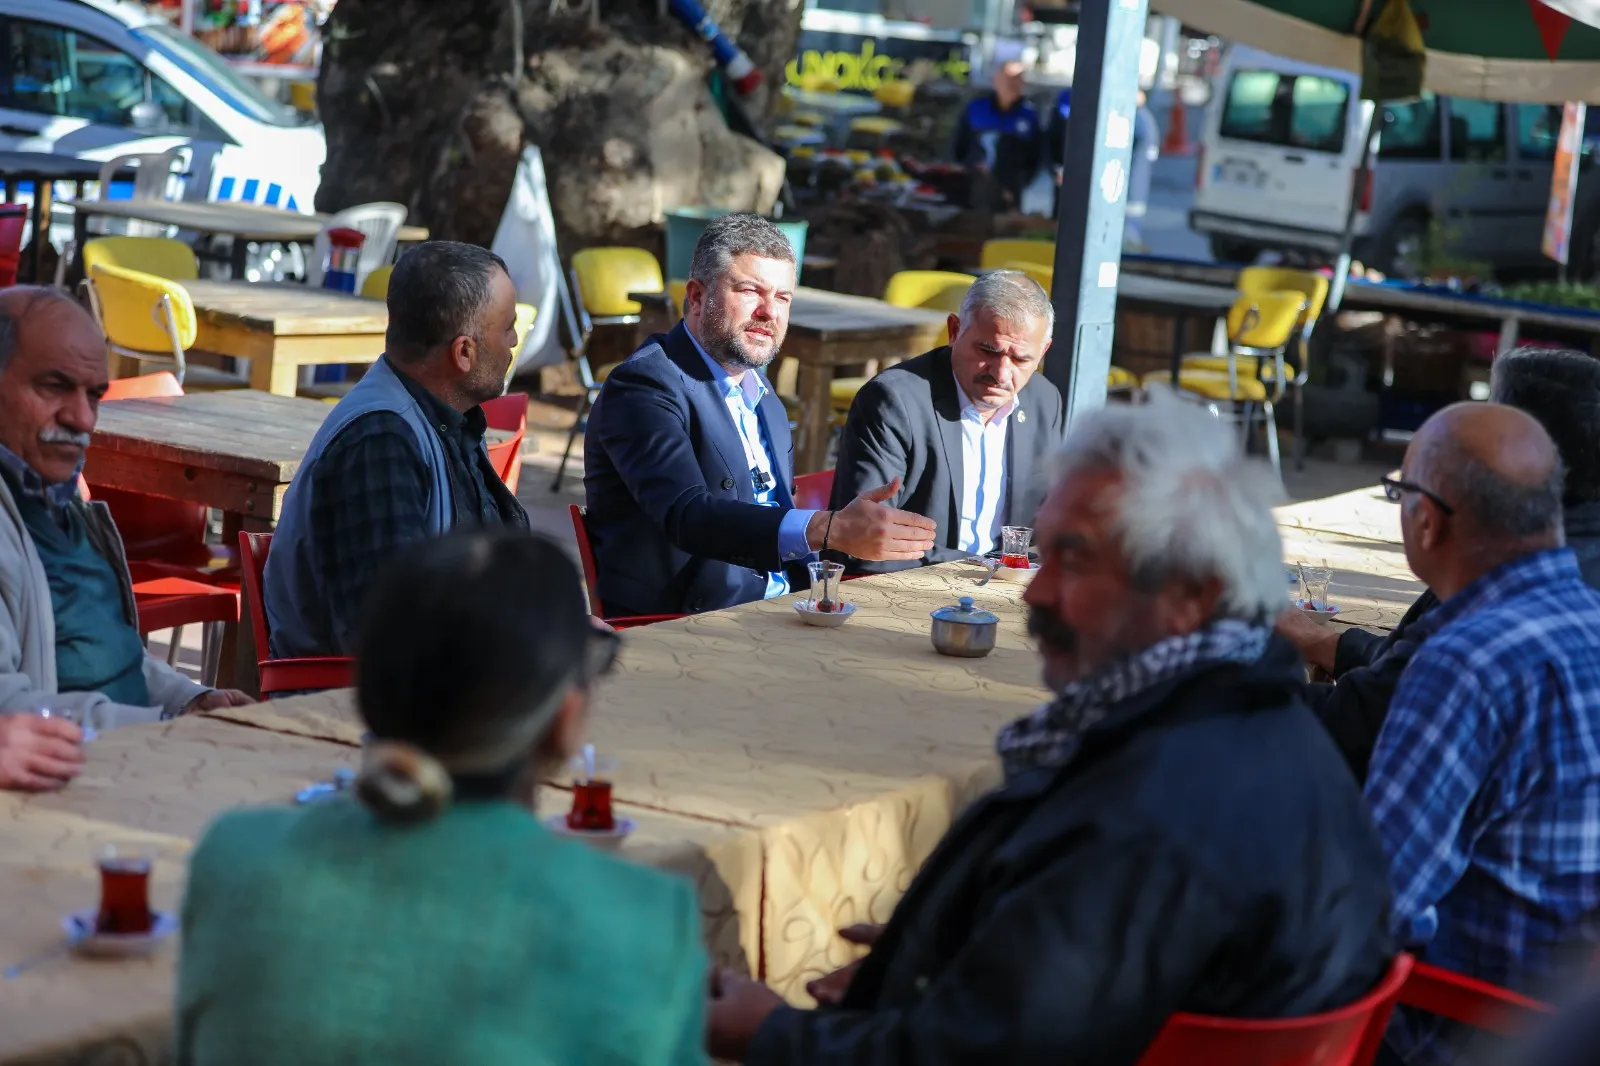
(906, 423)
(672, 512)
(1367, 667)
(1206, 851)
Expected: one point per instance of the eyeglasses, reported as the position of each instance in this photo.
(1393, 488)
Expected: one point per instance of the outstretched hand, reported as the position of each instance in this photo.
(869, 529)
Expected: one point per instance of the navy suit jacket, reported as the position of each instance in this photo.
(672, 513)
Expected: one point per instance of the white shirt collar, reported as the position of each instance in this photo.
(750, 383)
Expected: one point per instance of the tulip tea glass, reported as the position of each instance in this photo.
(825, 579)
(1314, 587)
(1014, 541)
(124, 894)
(591, 796)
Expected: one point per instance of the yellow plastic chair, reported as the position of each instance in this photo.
(809, 119)
(1045, 275)
(526, 314)
(1121, 379)
(303, 96)
(376, 287)
(161, 256)
(1260, 329)
(999, 252)
(145, 318)
(936, 290)
(601, 279)
(898, 93)
(1257, 281)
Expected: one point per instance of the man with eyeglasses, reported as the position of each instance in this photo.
(1561, 389)
(1485, 780)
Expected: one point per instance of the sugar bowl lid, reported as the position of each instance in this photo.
(963, 612)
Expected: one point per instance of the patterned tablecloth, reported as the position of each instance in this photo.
(798, 775)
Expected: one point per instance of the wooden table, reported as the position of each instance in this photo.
(828, 330)
(235, 451)
(245, 222)
(282, 326)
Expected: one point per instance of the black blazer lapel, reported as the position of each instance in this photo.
(775, 420)
(947, 414)
(1021, 435)
(705, 395)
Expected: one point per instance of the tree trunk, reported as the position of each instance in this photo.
(421, 107)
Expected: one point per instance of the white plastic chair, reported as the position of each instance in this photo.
(156, 176)
(379, 222)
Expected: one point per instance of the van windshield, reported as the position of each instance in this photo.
(1292, 110)
(212, 71)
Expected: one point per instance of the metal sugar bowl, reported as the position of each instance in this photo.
(964, 630)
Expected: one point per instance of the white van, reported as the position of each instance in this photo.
(99, 78)
(1282, 143)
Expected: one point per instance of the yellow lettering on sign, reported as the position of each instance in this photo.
(864, 70)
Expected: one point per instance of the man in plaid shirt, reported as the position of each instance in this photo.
(1485, 784)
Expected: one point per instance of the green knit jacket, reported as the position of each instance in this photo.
(319, 936)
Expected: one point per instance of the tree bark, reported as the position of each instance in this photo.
(429, 103)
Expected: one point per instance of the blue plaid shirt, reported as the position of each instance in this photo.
(1485, 785)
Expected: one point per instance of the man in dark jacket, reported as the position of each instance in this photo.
(1561, 389)
(1000, 139)
(1174, 833)
(967, 429)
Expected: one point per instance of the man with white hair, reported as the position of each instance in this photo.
(967, 428)
(1175, 831)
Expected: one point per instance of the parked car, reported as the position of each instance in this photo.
(99, 78)
(1281, 147)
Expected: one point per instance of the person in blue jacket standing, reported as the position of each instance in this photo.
(1000, 140)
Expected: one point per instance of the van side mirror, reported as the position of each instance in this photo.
(147, 115)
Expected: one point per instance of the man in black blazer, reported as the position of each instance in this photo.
(966, 429)
(688, 463)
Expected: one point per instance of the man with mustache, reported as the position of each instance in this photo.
(967, 428)
(68, 634)
(1175, 831)
(688, 458)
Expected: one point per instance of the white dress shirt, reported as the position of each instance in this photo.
(983, 474)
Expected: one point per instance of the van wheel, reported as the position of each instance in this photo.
(1400, 251)
(1228, 250)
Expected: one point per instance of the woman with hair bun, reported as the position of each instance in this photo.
(430, 918)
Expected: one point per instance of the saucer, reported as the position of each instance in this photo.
(1015, 574)
(1324, 610)
(83, 939)
(825, 619)
(604, 839)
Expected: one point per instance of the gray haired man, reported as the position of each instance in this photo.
(967, 427)
(402, 456)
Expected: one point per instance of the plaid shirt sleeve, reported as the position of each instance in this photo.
(371, 496)
(1432, 758)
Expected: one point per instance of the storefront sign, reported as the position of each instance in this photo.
(852, 62)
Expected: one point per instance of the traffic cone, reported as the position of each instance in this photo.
(1177, 142)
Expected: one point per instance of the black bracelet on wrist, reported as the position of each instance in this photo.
(827, 531)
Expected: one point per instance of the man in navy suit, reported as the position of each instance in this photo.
(688, 459)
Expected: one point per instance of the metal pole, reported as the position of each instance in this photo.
(186, 16)
(1369, 146)
(1094, 187)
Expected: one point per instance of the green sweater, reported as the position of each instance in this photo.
(319, 936)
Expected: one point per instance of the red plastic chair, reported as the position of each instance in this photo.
(510, 413)
(1349, 1036)
(580, 530)
(1471, 1001)
(167, 533)
(283, 675)
(162, 601)
(812, 492)
(13, 218)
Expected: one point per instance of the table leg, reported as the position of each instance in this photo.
(1509, 331)
(241, 254)
(269, 373)
(1180, 333)
(816, 418)
(80, 237)
(236, 667)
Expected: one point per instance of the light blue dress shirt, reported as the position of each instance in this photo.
(983, 474)
(742, 393)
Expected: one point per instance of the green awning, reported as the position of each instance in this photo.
(1522, 51)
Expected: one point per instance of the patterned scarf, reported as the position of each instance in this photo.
(1050, 736)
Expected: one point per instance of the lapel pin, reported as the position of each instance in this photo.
(1022, 416)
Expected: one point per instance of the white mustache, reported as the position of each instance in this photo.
(56, 435)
